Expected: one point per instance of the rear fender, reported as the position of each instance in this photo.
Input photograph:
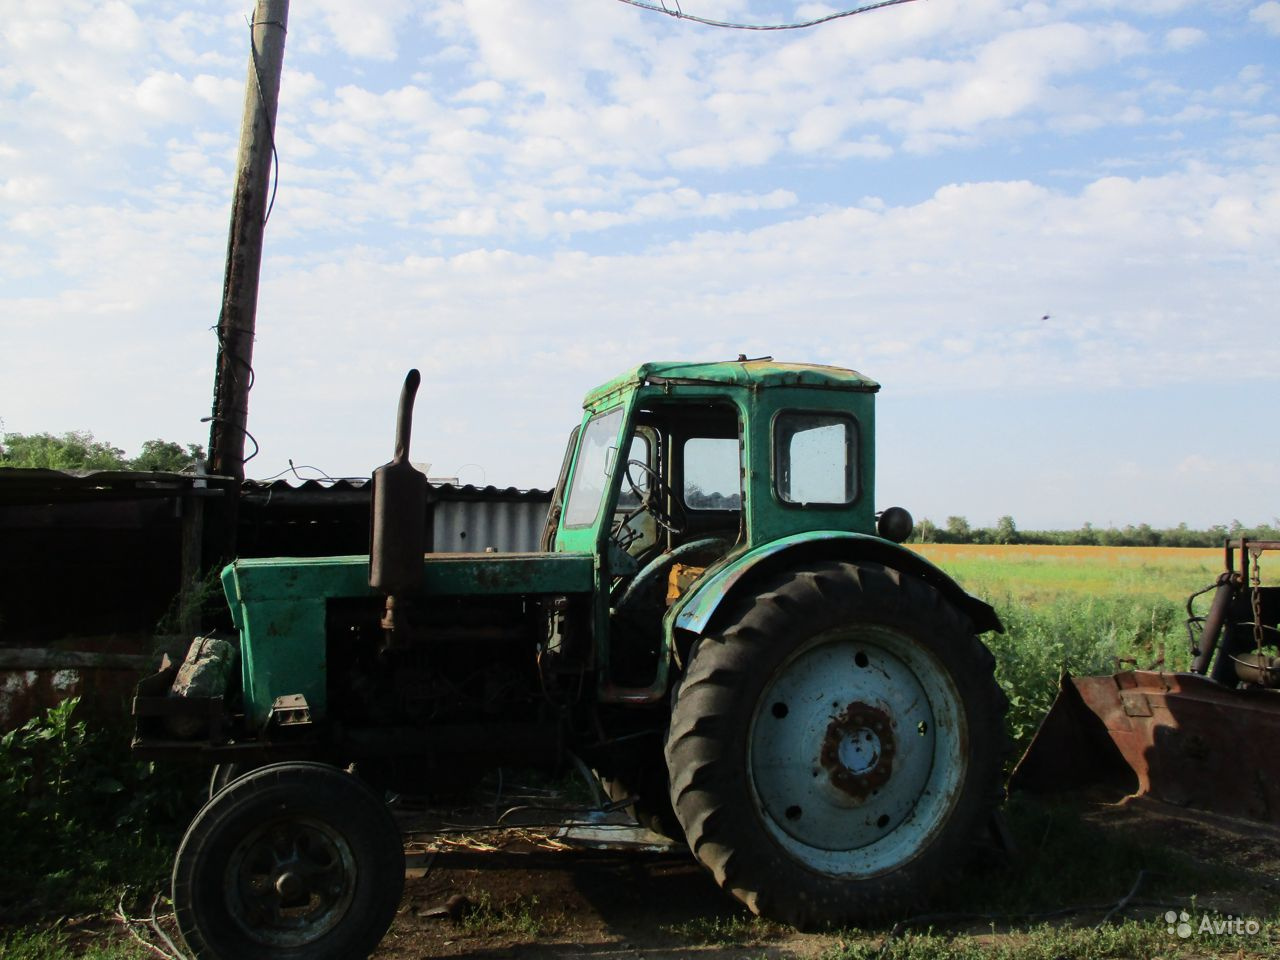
(697, 612)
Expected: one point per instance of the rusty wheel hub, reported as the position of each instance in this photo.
(857, 750)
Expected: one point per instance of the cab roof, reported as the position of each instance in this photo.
(762, 372)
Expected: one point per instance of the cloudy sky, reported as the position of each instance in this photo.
(1050, 229)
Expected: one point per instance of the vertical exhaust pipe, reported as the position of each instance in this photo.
(397, 515)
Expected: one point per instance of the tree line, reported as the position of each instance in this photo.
(78, 450)
(958, 530)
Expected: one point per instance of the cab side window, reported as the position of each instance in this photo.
(712, 474)
(815, 458)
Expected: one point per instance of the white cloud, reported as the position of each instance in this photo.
(113, 26)
(367, 30)
(1183, 38)
(1268, 15)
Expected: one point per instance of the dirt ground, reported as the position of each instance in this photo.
(537, 892)
(611, 890)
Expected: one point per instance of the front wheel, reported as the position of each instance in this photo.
(290, 861)
(836, 749)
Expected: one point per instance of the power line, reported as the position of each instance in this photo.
(679, 14)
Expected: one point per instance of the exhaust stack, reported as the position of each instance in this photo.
(397, 514)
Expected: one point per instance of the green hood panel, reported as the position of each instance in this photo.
(279, 606)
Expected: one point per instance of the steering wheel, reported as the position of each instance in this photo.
(652, 491)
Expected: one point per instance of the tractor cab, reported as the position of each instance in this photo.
(678, 468)
(740, 452)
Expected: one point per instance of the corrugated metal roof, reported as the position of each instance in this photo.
(349, 485)
(471, 526)
(22, 486)
(28, 486)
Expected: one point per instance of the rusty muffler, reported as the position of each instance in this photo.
(397, 515)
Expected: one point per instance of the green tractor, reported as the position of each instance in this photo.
(719, 623)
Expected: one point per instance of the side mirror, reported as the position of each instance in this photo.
(894, 524)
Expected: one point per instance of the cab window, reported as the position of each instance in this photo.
(814, 457)
(712, 473)
(597, 456)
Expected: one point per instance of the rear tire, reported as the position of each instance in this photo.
(836, 749)
(294, 861)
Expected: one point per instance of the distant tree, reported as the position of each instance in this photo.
(958, 530)
(76, 450)
(926, 531)
(164, 456)
(1145, 536)
(1006, 531)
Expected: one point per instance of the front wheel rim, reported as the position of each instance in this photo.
(857, 751)
(290, 882)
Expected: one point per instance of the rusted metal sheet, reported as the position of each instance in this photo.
(28, 693)
(1178, 737)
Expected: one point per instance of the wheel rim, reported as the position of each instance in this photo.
(857, 751)
(290, 882)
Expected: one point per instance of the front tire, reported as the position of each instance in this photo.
(222, 775)
(290, 861)
(836, 749)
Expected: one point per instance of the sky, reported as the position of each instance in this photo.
(1050, 230)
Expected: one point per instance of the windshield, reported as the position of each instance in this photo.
(596, 457)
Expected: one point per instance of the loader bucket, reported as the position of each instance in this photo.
(1177, 737)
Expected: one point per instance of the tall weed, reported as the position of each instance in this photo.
(80, 818)
(1089, 635)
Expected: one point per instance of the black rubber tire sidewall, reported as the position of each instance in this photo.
(313, 790)
(712, 712)
(224, 774)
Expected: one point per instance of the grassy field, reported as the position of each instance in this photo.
(1088, 610)
(1039, 574)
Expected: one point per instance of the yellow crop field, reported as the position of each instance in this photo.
(1037, 574)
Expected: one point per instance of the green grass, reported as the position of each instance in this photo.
(57, 944)
(517, 918)
(1039, 574)
(1134, 940)
(729, 931)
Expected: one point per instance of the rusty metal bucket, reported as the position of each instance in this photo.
(1178, 737)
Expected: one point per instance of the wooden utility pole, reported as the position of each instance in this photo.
(234, 375)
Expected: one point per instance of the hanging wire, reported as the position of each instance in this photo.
(271, 127)
(249, 436)
(661, 7)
